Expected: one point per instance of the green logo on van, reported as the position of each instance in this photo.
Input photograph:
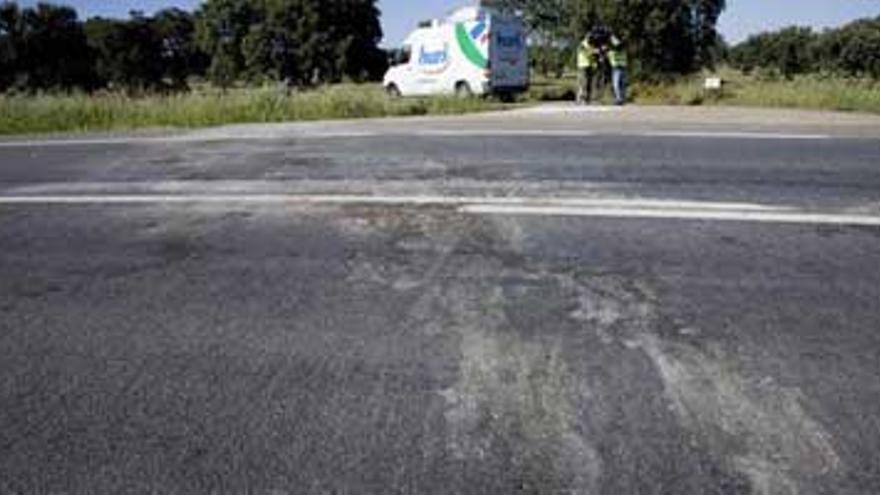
(469, 46)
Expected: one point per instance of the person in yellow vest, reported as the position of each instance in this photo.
(587, 63)
(618, 61)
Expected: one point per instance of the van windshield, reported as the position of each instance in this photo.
(404, 55)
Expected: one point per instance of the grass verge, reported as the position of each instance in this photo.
(108, 112)
(811, 92)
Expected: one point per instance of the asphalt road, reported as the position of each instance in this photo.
(543, 301)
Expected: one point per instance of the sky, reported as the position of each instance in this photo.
(742, 18)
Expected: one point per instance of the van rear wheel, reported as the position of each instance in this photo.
(463, 90)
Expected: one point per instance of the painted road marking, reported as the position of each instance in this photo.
(581, 207)
(790, 217)
(185, 139)
(425, 133)
(569, 109)
(644, 134)
(393, 200)
(732, 135)
(504, 133)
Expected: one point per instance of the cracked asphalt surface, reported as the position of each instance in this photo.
(314, 348)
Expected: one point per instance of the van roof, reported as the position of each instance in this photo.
(417, 35)
(467, 14)
(463, 14)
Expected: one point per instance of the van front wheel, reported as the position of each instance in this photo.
(463, 90)
(393, 91)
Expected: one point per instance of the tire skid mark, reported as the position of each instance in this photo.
(510, 398)
(516, 399)
(757, 427)
(512, 389)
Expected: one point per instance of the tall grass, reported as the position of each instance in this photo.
(81, 112)
(761, 90)
(205, 107)
(810, 91)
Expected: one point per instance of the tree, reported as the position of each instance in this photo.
(257, 48)
(709, 44)
(297, 40)
(221, 27)
(354, 32)
(300, 41)
(663, 36)
(130, 52)
(789, 51)
(181, 58)
(224, 68)
(44, 47)
(10, 43)
(853, 49)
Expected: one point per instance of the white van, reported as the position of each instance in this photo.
(475, 51)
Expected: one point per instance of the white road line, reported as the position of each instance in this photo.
(570, 109)
(505, 133)
(355, 199)
(43, 143)
(549, 206)
(342, 134)
(184, 139)
(733, 135)
(232, 199)
(621, 133)
(792, 217)
(194, 139)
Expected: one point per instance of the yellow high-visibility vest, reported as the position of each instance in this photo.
(586, 55)
(617, 58)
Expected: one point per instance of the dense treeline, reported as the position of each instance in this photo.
(664, 37)
(145, 53)
(303, 41)
(852, 50)
(300, 42)
(43, 47)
